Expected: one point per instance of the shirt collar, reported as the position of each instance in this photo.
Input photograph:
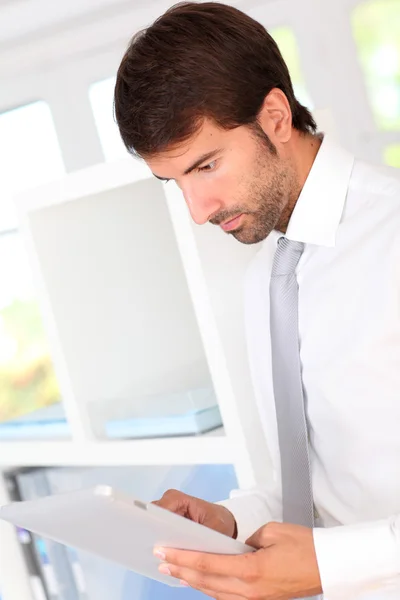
(319, 208)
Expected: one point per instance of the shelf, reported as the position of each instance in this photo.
(115, 298)
(138, 301)
(210, 448)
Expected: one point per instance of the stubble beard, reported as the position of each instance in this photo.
(271, 196)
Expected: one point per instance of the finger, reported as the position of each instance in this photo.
(212, 564)
(218, 585)
(173, 503)
(263, 537)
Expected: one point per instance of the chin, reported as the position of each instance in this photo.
(249, 236)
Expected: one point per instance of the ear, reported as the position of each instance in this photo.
(275, 116)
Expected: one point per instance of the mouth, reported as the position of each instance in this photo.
(232, 223)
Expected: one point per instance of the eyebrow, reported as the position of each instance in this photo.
(196, 164)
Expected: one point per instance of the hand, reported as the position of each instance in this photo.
(283, 567)
(211, 515)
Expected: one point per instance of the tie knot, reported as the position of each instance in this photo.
(287, 256)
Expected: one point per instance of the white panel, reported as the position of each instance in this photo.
(212, 448)
(74, 123)
(75, 186)
(118, 294)
(215, 267)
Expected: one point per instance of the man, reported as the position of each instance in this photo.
(205, 98)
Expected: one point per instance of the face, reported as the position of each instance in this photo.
(233, 179)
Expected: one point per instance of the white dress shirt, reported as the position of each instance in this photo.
(348, 216)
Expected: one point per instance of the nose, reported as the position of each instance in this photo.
(202, 205)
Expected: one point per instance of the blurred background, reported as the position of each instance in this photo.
(57, 72)
(57, 67)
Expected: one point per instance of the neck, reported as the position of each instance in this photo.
(304, 150)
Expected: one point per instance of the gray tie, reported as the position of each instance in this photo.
(297, 495)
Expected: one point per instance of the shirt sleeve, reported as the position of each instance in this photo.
(252, 509)
(361, 558)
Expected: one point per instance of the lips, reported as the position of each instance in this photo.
(232, 224)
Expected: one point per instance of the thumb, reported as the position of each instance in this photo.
(263, 537)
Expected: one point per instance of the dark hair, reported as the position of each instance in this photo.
(198, 60)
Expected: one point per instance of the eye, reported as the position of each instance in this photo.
(209, 167)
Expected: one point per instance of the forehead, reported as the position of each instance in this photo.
(173, 161)
(208, 134)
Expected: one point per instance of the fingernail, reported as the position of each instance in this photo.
(164, 569)
(184, 583)
(159, 552)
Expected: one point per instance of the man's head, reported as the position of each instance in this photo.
(205, 98)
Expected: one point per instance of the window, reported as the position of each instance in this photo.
(101, 95)
(392, 155)
(286, 41)
(29, 156)
(376, 27)
(27, 379)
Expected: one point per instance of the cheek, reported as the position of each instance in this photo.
(218, 187)
(246, 189)
(226, 187)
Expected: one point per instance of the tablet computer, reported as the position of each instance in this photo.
(114, 526)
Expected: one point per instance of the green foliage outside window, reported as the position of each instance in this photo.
(392, 155)
(27, 378)
(376, 27)
(287, 43)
